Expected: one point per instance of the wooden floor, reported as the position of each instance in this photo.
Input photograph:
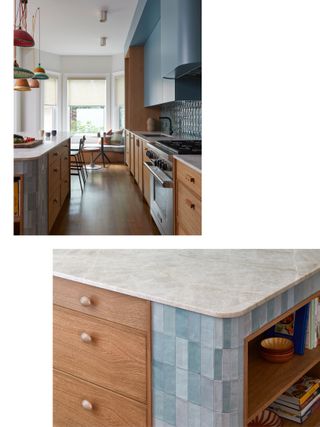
(111, 204)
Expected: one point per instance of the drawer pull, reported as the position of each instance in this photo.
(55, 201)
(190, 204)
(85, 300)
(55, 153)
(86, 405)
(55, 170)
(85, 337)
(190, 179)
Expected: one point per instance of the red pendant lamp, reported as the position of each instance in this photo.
(21, 36)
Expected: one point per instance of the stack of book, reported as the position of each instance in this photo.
(313, 328)
(299, 401)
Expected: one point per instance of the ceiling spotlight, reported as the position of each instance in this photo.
(103, 41)
(103, 16)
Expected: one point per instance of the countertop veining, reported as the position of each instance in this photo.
(21, 154)
(219, 283)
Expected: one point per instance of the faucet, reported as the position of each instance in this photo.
(170, 123)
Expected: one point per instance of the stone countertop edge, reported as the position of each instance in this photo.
(191, 160)
(23, 154)
(189, 307)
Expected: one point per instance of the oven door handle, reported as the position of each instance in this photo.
(159, 175)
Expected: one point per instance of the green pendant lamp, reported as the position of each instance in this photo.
(39, 72)
(21, 73)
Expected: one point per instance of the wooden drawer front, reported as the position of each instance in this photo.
(65, 186)
(64, 147)
(108, 409)
(53, 206)
(123, 309)
(64, 163)
(54, 155)
(115, 358)
(189, 177)
(188, 210)
(54, 175)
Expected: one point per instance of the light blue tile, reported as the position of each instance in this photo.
(194, 357)
(206, 386)
(284, 302)
(194, 388)
(169, 349)
(157, 317)
(277, 306)
(157, 375)
(181, 323)
(207, 362)
(217, 369)
(270, 309)
(290, 298)
(240, 360)
(169, 379)
(193, 415)
(182, 353)
(157, 346)
(299, 293)
(158, 423)
(236, 393)
(218, 333)
(226, 396)
(169, 409)
(182, 383)
(259, 316)
(220, 419)
(158, 404)
(226, 333)
(194, 326)
(236, 338)
(217, 396)
(169, 320)
(181, 413)
(230, 364)
(206, 417)
(207, 329)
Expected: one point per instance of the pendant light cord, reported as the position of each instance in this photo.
(38, 10)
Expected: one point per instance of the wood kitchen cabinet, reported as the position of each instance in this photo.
(146, 174)
(136, 113)
(138, 158)
(187, 197)
(101, 357)
(58, 180)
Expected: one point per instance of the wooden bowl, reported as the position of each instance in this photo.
(277, 357)
(266, 418)
(276, 345)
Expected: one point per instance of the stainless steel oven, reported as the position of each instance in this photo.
(161, 198)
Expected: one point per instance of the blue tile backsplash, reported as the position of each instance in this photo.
(198, 361)
(185, 116)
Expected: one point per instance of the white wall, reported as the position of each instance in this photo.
(30, 118)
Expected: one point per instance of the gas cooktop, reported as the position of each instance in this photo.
(182, 146)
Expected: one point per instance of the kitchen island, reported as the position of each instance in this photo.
(207, 309)
(46, 181)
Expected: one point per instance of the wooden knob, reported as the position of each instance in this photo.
(86, 405)
(85, 337)
(85, 300)
(190, 204)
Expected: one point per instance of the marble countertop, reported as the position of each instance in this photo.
(219, 283)
(191, 160)
(21, 154)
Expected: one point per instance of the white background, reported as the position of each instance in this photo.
(261, 170)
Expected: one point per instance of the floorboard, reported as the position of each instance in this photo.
(111, 204)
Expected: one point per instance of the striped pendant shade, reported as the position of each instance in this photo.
(21, 73)
(40, 73)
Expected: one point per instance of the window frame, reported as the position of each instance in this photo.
(115, 112)
(68, 76)
(58, 111)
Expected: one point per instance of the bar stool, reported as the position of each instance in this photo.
(77, 164)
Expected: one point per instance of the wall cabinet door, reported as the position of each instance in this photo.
(152, 68)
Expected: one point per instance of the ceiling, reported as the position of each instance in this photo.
(72, 27)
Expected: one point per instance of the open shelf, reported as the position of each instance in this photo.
(267, 380)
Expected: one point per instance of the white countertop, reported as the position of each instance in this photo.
(219, 283)
(191, 160)
(21, 154)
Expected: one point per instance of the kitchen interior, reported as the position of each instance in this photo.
(107, 117)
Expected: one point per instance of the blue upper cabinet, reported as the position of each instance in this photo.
(152, 68)
(180, 37)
